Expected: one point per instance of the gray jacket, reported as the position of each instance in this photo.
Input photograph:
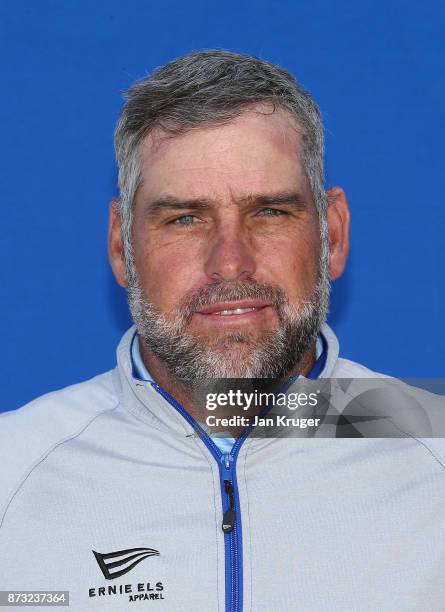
(106, 491)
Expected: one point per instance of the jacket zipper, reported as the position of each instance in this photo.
(229, 517)
(231, 514)
(231, 526)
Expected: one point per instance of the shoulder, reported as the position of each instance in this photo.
(416, 411)
(28, 434)
(345, 368)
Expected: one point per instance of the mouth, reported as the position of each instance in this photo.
(234, 310)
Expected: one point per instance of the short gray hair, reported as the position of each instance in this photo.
(208, 88)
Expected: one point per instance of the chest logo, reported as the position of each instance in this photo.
(118, 563)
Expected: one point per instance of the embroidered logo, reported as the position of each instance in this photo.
(118, 563)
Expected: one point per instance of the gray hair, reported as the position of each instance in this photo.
(208, 88)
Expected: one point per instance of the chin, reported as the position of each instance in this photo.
(234, 338)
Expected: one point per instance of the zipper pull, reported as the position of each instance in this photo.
(229, 517)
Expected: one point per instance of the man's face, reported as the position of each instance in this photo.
(226, 243)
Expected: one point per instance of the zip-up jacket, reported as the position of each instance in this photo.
(107, 492)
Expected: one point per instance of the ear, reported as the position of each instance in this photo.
(338, 224)
(115, 244)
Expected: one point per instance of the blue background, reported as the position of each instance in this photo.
(375, 68)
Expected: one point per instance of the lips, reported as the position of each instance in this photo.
(227, 309)
(236, 311)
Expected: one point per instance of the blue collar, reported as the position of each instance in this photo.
(320, 363)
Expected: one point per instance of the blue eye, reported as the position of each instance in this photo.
(185, 220)
(272, 212)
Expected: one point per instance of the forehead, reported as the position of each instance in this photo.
(259, 151)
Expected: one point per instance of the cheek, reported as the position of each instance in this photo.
(292, 262)
(167, 271)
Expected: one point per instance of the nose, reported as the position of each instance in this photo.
(230, 255)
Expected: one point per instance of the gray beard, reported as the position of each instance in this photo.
(241, 354)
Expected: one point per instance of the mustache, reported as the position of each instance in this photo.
(223, 291)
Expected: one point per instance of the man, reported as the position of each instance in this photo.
(120, 490)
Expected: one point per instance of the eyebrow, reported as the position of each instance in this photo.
(283, 198)
(170, 203)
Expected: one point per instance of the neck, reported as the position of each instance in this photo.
(188, 398)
